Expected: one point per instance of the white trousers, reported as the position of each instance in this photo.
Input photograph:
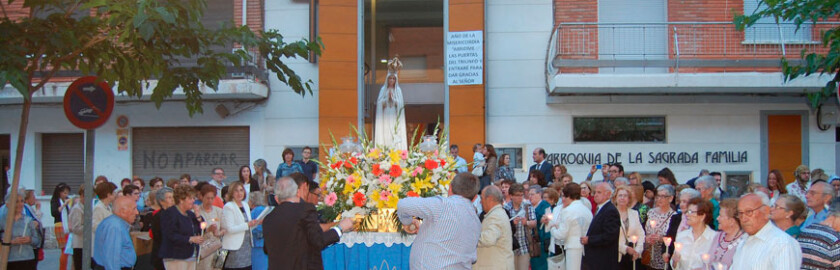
(179, 264)
(570, 262)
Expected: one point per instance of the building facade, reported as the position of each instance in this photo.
(650, 84)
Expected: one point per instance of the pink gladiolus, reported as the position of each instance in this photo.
(403, 154)
(330, 199)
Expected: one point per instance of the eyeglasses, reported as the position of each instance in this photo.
(135, 193)
(663, 196)
(692, 213)
(219, 173)
(748, 212)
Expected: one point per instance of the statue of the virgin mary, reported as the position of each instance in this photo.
(389, 128)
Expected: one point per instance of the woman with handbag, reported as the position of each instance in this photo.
(181, 232)
(568, 223)
(657, 227)
(631, 235)
(212, 216)
(524, 219)
(236, 220)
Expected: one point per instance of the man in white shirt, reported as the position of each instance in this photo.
(767, 246)
(460, 163)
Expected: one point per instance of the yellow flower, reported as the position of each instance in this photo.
(392, 201)
(375, 197)
(420, 185)
(395, 188)
(374, 154)
(395, 156)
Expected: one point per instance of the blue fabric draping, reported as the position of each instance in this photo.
(360, 256)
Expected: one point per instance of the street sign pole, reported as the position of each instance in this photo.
(90, 136)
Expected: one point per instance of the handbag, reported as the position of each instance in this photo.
(646, 256)
(221, 256)
(533, 243)
(210, 247)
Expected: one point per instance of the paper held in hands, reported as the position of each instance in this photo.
(265, 212)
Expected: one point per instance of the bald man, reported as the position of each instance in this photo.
(767, 246)
(114, 249)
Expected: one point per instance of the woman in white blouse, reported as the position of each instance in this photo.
(567, 225)
(692, 246)
(631, 235)
(236, 220)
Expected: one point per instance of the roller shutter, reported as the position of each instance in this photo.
(170, 152)
(62, 160)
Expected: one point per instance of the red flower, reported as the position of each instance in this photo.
(376, 170)
(359, 199)
(335, 165)
(348, 165)
(431, 164)
(442, 162)
(395, 171)
(354, 160)
(412, 194)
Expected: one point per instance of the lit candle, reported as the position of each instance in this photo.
(719, 266)
(652, 223)
(633, 239)
(203, 226)
(677, 247)
(705, 258)
(667, 241)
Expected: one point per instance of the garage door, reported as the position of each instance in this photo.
(62, 160)
(170, 152)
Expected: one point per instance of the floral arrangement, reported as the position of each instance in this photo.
(364, 178)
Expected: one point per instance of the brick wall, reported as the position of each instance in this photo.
(572, 11)
(696, 42)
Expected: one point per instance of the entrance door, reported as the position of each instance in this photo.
(784, 144)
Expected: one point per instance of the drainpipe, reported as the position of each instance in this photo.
(244, 12)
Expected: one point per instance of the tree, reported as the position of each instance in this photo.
(805, 12)
(131, 42)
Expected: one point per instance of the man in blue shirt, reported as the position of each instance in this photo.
(460, 163)
(114, 249)
(310, 168)
(817, 197)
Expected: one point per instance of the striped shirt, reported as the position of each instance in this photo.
(448, 236)
(526, 211)
(820, 247)
(769, 248)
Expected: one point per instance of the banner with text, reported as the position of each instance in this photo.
(465, 58)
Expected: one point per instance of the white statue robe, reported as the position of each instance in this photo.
(389, 128)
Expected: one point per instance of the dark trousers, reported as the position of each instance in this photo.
(77, 258)
(23, 265)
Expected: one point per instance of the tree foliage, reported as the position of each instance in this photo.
(131, 42)
(802, 12)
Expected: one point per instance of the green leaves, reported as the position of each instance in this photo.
(130, 43)
(805, 12)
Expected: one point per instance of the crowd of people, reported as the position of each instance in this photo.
(622, 221)
(489, 220)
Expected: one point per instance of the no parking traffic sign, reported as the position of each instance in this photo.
(88, 103)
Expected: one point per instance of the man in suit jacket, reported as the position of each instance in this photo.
(494, 245)
(295, 231)
(600, 245)
(542, 165)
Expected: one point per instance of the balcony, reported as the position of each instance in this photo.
(247, 82)
(678, 62)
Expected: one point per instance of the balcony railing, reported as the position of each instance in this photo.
(677, 47)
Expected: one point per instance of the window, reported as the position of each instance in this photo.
(62, 160)
(766, 31)
(736, 182)
(515, 155)
(619, 129)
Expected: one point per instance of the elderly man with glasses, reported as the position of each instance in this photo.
(817, 198)
(767, 246)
